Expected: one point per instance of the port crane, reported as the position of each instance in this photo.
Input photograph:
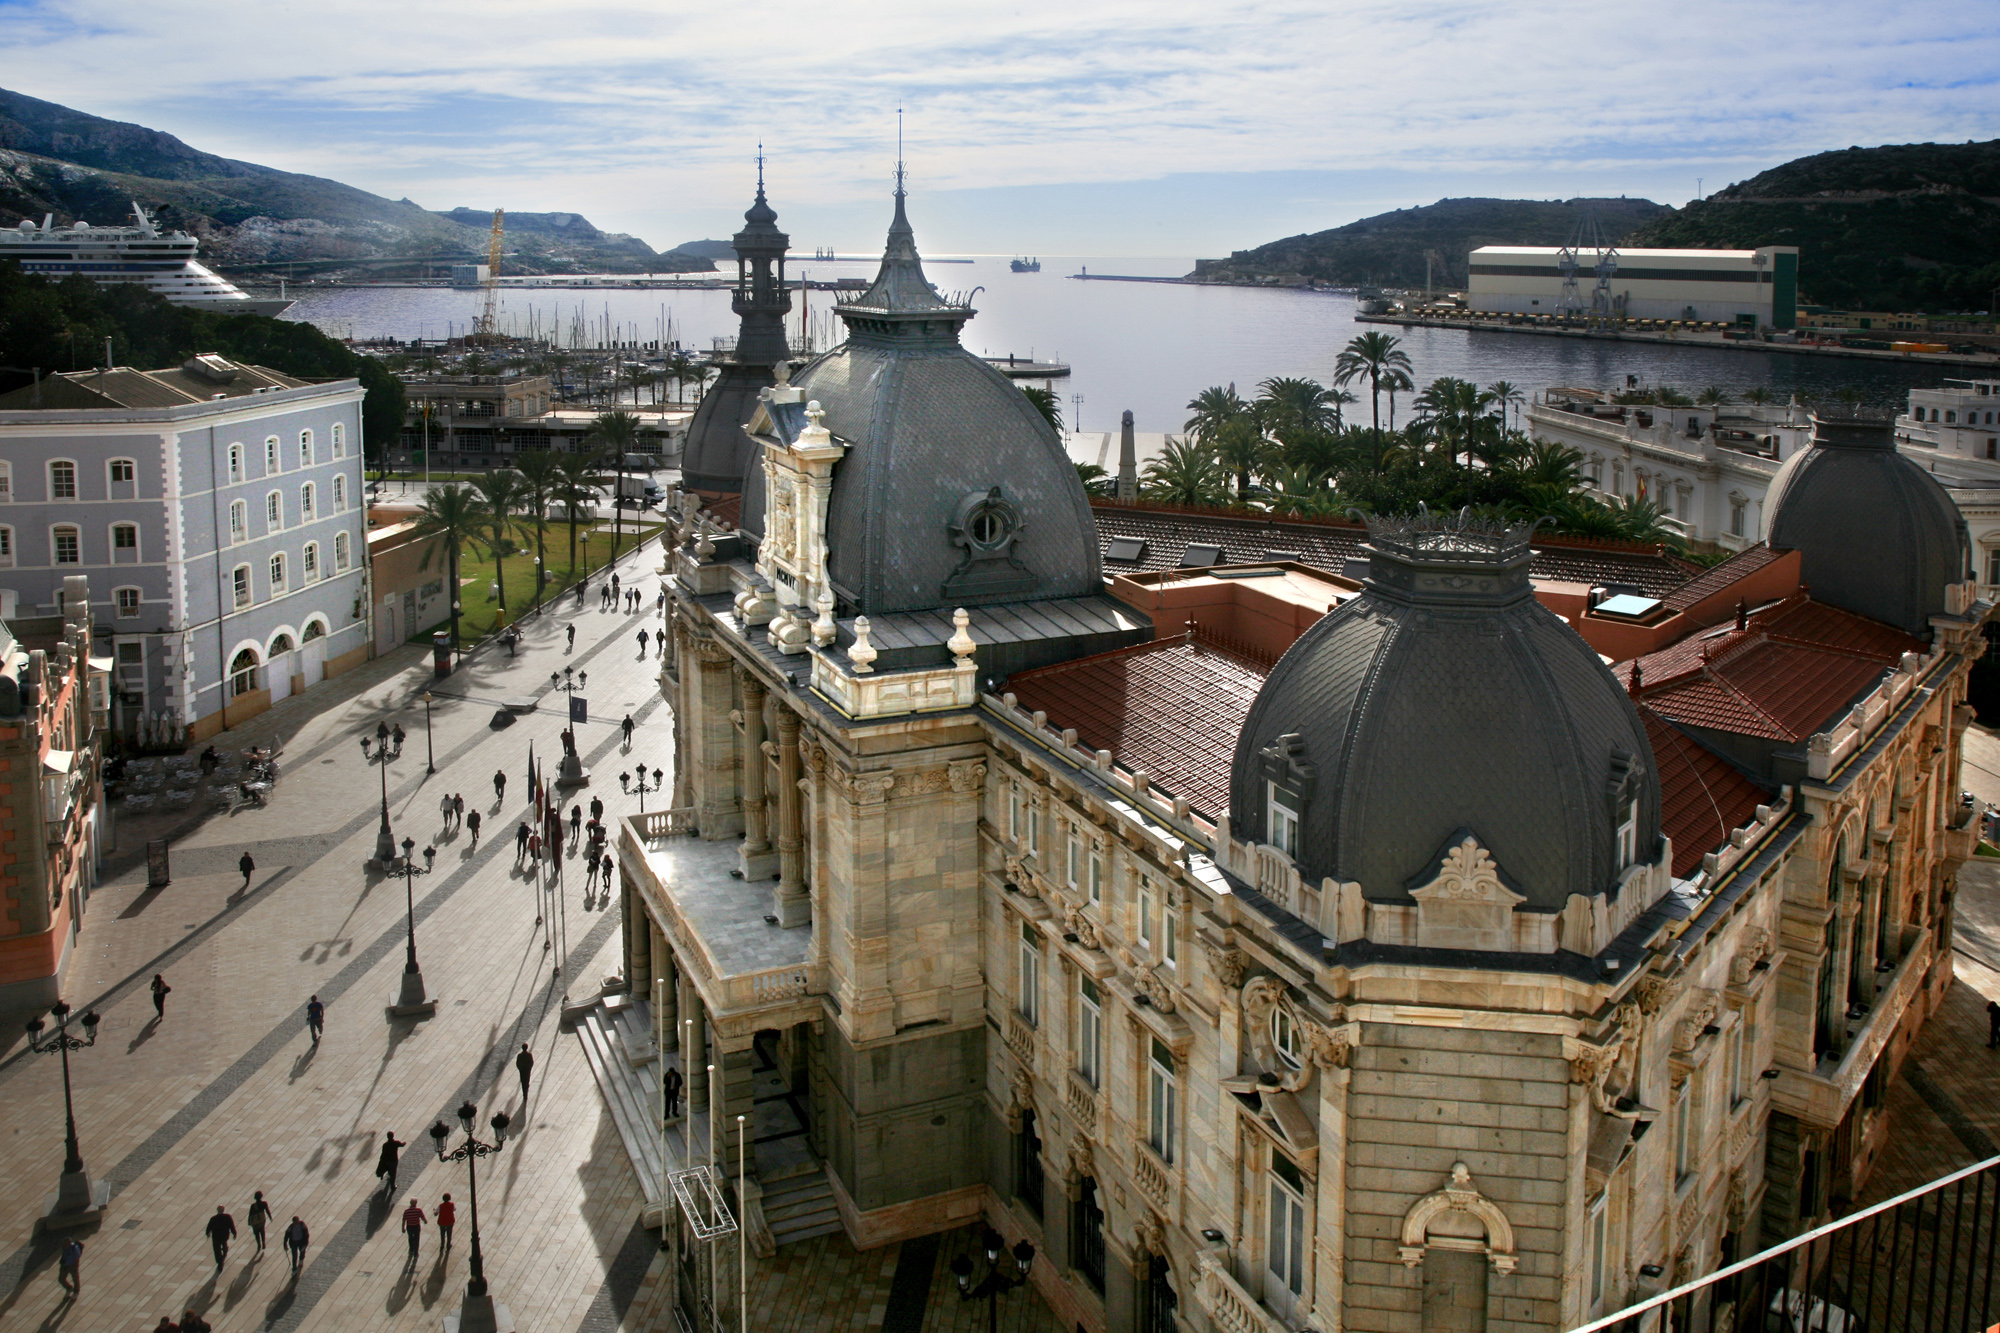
(488, 318)
(1603, 264)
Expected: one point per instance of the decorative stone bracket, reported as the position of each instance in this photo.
(1458, 1217)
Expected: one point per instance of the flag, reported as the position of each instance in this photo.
(579, 708)
(532, 789)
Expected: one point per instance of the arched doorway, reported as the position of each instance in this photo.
(1456, 1235)
(278, 660)
(312, 652)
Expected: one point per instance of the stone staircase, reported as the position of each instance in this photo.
(617, 1037)
(799, 1207)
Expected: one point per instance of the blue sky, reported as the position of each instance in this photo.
(1114, 127)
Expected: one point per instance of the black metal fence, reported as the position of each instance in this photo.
(1921, 1261)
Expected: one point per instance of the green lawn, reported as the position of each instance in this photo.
(480, 614)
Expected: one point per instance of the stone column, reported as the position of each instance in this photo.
(638, 942)
(755, 857)
(719, 811)
(694, 1045)
(734, 1065)
(660, 963)
(667, 994)
(680, 695)
(794, 904)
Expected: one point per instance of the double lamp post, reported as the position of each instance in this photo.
(77, 1201)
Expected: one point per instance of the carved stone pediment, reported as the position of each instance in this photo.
(1467, 903)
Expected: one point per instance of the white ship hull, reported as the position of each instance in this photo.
(142, 255)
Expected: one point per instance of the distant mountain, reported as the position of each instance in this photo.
(1902, 227)
(77, 166)
(1388, 249)
(708, 249)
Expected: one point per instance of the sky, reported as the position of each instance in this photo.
(1107, 127)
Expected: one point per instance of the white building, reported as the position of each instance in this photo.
(1757, 288)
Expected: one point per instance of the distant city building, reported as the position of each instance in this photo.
(218, 508)
(52, 720)
(1757, 288)
(480, 421)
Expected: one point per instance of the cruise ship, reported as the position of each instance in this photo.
(160, 261)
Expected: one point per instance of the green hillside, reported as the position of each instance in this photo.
(1388, 249)
(1903, 227)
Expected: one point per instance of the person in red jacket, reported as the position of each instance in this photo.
(447, 1217)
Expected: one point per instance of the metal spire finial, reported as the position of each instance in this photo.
(760, 168)
(900, 173)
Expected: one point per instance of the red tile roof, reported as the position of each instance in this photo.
(1782, 678)
(1717, 577)
(1702, 796)
(1172, 707)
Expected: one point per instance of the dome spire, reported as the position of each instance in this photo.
(901, 303)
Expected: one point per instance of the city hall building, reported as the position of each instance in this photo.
(1274, 948)
(1756, 288)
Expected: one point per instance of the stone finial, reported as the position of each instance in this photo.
(823, 628)
(961, 642)
(861, 652)
(704, 545)
(815, 431)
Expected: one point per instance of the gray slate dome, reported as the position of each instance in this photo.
(1445, 700)
(1875, 533)
(954, 491)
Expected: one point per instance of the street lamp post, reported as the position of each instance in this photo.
(385, 841)
(412, 1002)
(997, 1278)
(430, 755)
(477, 1314)
(77, 1201)
(625, 779)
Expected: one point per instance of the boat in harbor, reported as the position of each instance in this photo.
(159, 261)
(1026, 265)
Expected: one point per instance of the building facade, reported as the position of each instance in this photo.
(1434, 976)
(1756, 288)
(218, 508)
(53, 699)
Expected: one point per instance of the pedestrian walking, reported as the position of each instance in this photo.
(413, 1228)
(166, 1325)
(660, 644)
(472, 822)
(597, 802)
(444, 809)
(221, 1230)
(246, 865)
(447, 1218)
(604, 598)
(535, 848)
(260, 1217)
(457, 809)
(605, 866)
(499, 785)
(69, 1268)
(581, 588)
(570, 631)
(315, 1021)
(296, 1239)
(194, 1323)
(614, 585)
(397, 736)
(524, 1065)
(663, 601)
(644, 640)
(575, 822)
(521, 836)
(161, 990)
(589, 877)
(555, 839)
(671, 1086)
(385, 1163)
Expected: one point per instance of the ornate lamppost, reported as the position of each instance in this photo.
(385, 841)
(77, 1201)
(412, 1002)
(625, 781)
(997, 1279)
(477, 1314)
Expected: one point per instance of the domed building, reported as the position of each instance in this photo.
(1877, 534)
(1446, 702)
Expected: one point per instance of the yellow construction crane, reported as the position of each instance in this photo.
(487, 320)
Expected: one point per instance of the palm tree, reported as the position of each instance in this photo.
(1372, 354)
(1507, 394)
(540, 474)
(1047, 403)
(1296, 405)
(1713, 398)
(1213, 407)
(449, 517)
(1393, 383)
(1240, 446)
(1757, 394)
(1096, 481)
(615, 432)
(576, 491)
(502, 497)
(1185, 473)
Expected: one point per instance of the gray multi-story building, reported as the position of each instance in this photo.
(217, 507)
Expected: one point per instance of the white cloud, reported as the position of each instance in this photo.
(643, 117)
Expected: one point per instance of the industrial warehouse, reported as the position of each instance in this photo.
(1754, 288)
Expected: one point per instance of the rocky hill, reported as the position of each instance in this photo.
(78, 166)
(1388, 249)
(1902, 227)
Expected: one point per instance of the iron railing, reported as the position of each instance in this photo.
(1922, 1261)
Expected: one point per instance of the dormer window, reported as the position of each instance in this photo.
(1281, 818)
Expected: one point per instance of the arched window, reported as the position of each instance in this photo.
(341, 552)
(1950, 418)
(124, 543)
(279, 645)
(274, 512)
(270, 455)
(315, 629)
(310, 562)
(306, 514)
(235, 463)
(305, 448)
(239, 580)
(122, 479)
(339, 440)
(239, 522)
(128, 600)
(340, 494)
(277, 573)
(243, 674)
(6, 482)
(62, 480)
(66, 543)
(6, 547)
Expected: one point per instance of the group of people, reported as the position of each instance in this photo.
(452, 807)
(544, 831)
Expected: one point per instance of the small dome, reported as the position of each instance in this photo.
(1875, 533)
(1446, 700)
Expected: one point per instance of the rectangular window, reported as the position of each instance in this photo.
(1282, 815)
(62, 481)
(1031, 974)
(1097, 878)
(1736, 509)
(241, 583)
(235, 462)
(1736, 1065)
(311, 561)
(274, 512)
(6, 481)
(1163, 1109)
(239, 522)
(6, 547)
(339, 440)
(69, 547)
(128, 606)
(339, 495)
(1170, 931)
(1686, 1132)
(1089, 1031)
(341, 553)
(1286, 1227)
(1073, 855)
(271, 455)
(1035, 831)
(305, 448)
(306, 504)
(1598, 1238)
(1993, 565)
(121, 469)
(277, 574)
(1628, 833)
(1013, 812)
(1146, 913)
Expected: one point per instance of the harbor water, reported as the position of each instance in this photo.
(1146, 346)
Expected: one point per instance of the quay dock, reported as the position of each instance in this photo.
(1685, 338)
(1026, 368)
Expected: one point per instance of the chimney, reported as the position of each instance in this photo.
(1128, 460)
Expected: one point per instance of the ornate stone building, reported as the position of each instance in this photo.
(1433, 976)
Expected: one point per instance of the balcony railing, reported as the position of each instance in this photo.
(1920, 1261)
